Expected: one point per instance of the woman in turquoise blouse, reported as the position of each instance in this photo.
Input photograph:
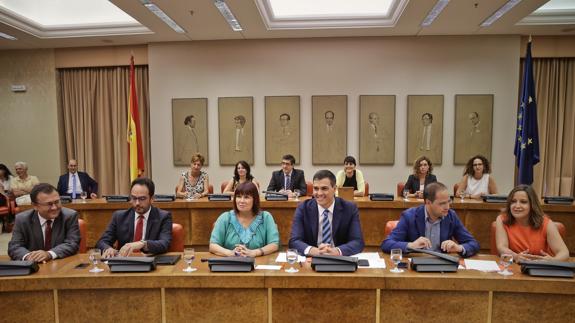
(245, 230)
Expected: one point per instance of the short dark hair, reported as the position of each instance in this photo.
(188, 119)
(349, 160)
(329, 112)
(431, 190)
(248, 189)
(245, 164)
(427, 114)
(324, 173)
(469, 166)
(285, 114)
(289, 157)
(41, 188)
(147, 183)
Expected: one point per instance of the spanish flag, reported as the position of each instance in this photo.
(135, 152)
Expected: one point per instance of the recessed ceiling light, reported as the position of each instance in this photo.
(6, 36)
(499, 13)
(163, 16)
(228, 15)
(434, 13)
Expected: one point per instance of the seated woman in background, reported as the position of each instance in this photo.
(245, 230)
(242, 174)
(349, 176)
(194, 183)
(5, 177)
(524, 231)
(23, 183)
(420, 178)
(476, 181)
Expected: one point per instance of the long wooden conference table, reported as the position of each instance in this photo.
(198, 217)
(59, 292)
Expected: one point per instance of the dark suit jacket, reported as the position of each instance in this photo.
(121, 228)
(88, 184)
(27, 235)
(297, 181)
(412, 226)
(413, 182)
(346, 229)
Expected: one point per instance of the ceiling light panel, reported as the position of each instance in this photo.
(499, 13)
(228, 15)
(163, 17)
(434, 13)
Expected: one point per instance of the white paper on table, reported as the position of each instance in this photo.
(373, 257)
(269, 267)
(481, 265)
(282, 258)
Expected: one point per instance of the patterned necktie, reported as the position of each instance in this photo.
(73, 186)
(139, 229)
(48, 235)
(288, 182)
(325, 228)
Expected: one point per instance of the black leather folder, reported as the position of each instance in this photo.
(164, 198)
(276, 197)
(65, 199)
(219, 197)
(231, 264)
(326, 263)
(117, 198)
(17, 268)
(131, 264)
(381, 197)
(167, 259)
(568, 200)
(494, 198)
(440, 262)
(548, 268)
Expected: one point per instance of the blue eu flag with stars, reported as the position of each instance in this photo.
(526, 135)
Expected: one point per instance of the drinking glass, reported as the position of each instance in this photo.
(189, 255)
(296, 194)
(94, 256)
(405, 195)
(84, 196)
(506, 261)
(291, 256)
(462, 195)
(396, 258)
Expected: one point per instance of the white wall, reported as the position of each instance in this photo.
(353, 66)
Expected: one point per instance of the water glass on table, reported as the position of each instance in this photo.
(396, 256)
(95, 255)
(189, 255)
(506, 260)
(291, 257)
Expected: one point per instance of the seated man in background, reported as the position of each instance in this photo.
(23, 183)
(288, 179)
(46, 232)
(142, 227)
(74, 182)
(431, 226)
(326, 224)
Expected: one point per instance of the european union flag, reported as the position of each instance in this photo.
(527, 134)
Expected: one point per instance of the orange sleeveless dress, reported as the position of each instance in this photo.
(521, 238)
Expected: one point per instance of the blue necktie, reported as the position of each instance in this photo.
(325, 228)
(74, 186)
(288, 182)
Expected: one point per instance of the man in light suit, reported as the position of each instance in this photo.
(142, 227)
(288, 179)
(82, 181)
(326, 224)
(431, 226)
(46, 232)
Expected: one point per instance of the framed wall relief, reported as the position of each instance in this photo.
(473, 127)
(329, 129)
(189, 129)
(236, 130)
(377, 129)
(282, 115)
(425, 128)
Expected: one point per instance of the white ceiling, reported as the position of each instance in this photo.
(202, 21)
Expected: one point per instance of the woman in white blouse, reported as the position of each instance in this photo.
(476, 181)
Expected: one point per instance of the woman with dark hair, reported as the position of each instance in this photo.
(194, 183)
(476, 180)
(5, 176)
(525, 232)
(420, 178)
(242, 174)
(246, 230)
(349, 176)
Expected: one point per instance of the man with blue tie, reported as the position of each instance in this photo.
(288, 179)
(326, 224)
(74, 182)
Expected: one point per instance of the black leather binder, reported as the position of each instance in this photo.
(381, 197)
(117, 198)
(167, 259)
(219, 197)
(276, 197)
(568, 200)
(231, 264)
(439, 263)
(164, 198)
(548, 268)
(326, 263)
(17, 268)
(65, 199)
(131, 264)
(494, 198)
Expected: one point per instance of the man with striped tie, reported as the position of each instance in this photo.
(326, 224)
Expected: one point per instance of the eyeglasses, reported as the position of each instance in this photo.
(49, 204)
(286, 163)
(477, 165)
(138, 198)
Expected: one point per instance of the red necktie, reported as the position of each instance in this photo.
(48, 235)
(139, 228)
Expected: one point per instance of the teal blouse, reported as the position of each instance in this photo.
(228, 231)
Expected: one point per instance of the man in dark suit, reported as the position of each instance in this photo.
(74, 182)
(326, 224)
(142, 227)
(288, 179)
(46, 232)
(431, 226)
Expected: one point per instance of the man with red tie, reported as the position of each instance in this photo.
(143, 227)
(46, 232)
